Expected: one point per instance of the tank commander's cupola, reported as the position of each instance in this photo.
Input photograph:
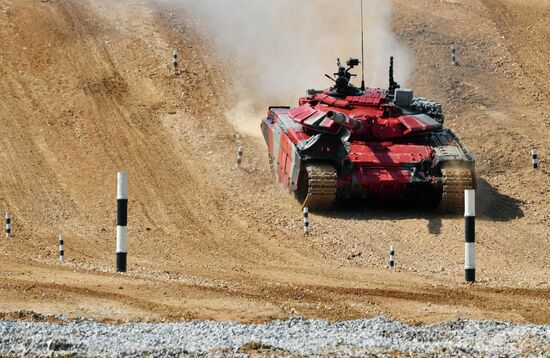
(342, 85)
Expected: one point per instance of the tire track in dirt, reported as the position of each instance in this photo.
(529, 304)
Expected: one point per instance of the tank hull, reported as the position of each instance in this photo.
(373, 162)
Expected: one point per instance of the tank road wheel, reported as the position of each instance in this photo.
(317, 187)
(455, 181)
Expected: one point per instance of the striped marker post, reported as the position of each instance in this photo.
(392, 257)
(239, 157)
(535, 159)
(175, 61)
(121, 221)
(470, 235)
(8, 225)
(453, 55)
(306, 221)
(61, 249)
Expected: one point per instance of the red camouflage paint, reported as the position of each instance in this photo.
(379, 151)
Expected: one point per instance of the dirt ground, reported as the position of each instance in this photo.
(87, 91)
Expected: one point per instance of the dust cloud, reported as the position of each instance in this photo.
(279, 49)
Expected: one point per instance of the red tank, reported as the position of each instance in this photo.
(347, 142)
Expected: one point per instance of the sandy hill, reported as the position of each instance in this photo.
(87, 91)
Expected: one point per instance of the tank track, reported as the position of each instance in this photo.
(455, 181)
(322, 186)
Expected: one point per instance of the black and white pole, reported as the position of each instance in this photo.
(535, 159)
(392, 257)
(175, 61)
(121, 221)
(239, 157)
(453, 55)
(470, 235)
(61, 249)
(306, 221)
(8, 225)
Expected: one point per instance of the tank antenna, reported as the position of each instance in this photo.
(362, 51)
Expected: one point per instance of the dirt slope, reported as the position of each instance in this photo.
(87, 91)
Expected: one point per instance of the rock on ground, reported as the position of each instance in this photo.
(380, 336)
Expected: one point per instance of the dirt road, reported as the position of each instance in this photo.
(87, 91)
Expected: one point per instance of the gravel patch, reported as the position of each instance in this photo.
(379, 336)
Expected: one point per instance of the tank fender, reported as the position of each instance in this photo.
(265, 126)
(293, 155)
(277, 132)
(295, 170)
(448, 148)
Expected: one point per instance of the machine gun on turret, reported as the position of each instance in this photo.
(343, 87)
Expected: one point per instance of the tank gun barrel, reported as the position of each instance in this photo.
(344, 120)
